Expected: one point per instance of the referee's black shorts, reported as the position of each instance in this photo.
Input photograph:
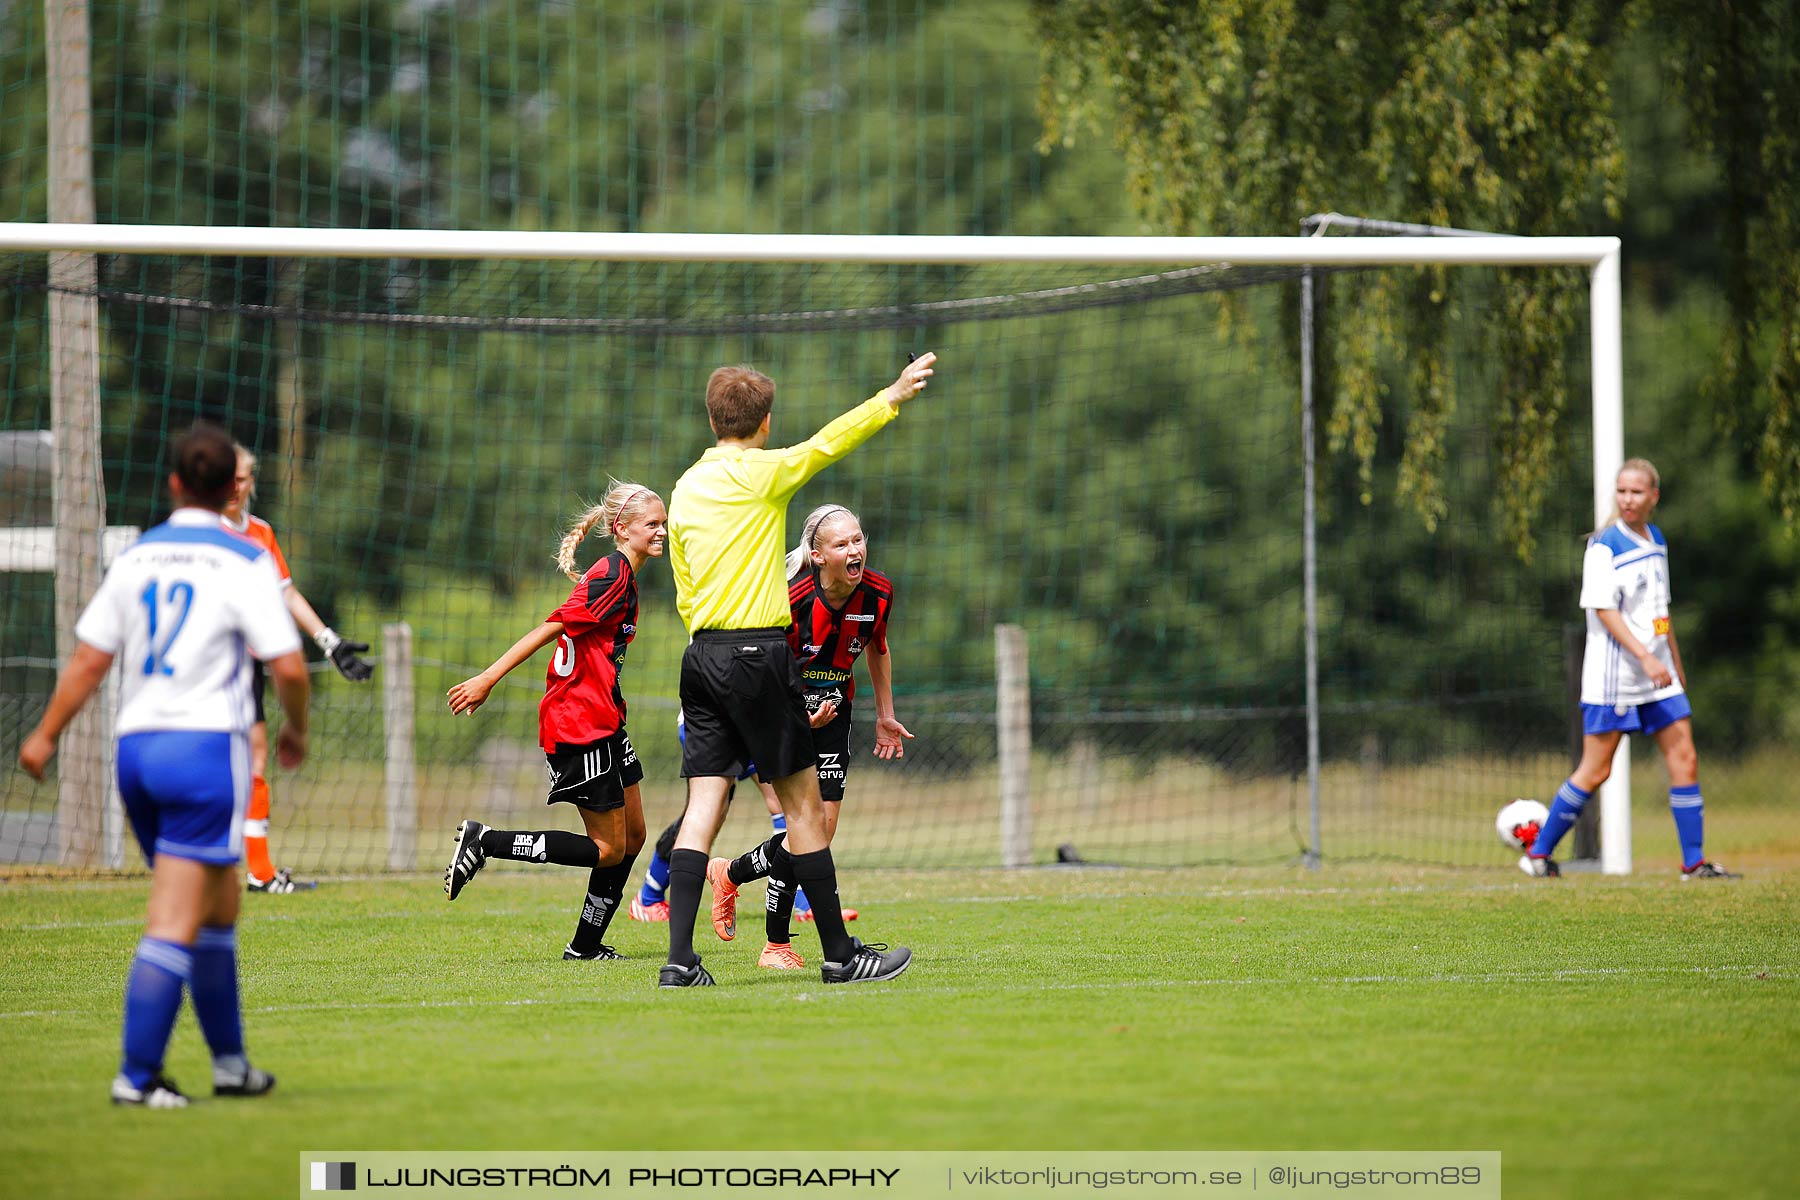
(742, 701)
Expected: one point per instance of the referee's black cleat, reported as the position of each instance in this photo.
(251, 1081)
(675, 975)
(468, 859)
(868, 964)
(603, 954)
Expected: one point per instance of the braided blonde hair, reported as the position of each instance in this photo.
(623, 501)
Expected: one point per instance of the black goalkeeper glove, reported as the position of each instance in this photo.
(343, 655)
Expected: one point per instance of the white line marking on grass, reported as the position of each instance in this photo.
(1565, 974)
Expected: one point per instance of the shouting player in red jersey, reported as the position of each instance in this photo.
(345, 655)
(840, 609)
(581, 720)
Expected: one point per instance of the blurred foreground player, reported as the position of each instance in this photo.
(179, 609)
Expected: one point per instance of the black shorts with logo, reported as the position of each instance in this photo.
(593, 776)
(832, 744)
(742, 701)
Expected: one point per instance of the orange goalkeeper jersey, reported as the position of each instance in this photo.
(263, 534)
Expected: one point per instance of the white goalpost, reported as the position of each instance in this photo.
(1600, 256)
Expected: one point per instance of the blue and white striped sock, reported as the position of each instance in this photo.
(159, 971)
(656, 880)
(1564, 810)
(1689, 811)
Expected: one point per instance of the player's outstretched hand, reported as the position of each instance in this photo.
(470, 695)
(821, 716)
(912, 380)
(290, 748)
(890, 738)
(36, 754)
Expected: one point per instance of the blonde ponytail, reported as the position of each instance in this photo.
(622, 501)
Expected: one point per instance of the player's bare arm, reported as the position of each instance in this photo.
(470, 694)
(1675, 654)
(79, 680)
(890, 735)
(1652, 665)
(293, 686)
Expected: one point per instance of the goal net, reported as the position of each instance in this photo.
(1110, 459)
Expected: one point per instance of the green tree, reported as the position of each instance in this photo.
(1244, 116)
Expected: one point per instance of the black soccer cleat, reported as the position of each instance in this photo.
(252, 1081)
(468, 859)
(868, 964)
(160, 1092)
(1708, 870)
(603, 954)
(674, 975)
(1539, 868)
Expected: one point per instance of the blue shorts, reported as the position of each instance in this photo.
(1635, 718)
(185, 793)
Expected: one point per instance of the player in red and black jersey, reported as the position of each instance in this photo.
(840, 611)
(581, 720)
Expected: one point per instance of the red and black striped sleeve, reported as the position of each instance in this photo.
(610, 588)
(800, 602)
(883, 589)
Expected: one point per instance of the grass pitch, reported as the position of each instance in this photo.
(1611, 1037)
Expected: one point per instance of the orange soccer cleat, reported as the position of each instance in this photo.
(649, 912)
(724, 910)
(781, 956)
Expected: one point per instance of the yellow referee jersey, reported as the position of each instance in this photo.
(728, 522)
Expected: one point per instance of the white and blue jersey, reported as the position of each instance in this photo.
(182, 611)
(1628, 573)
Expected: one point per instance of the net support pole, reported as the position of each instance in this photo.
(1310, 559)
(113, 809)
(1012, 673)
(78, 501)
(400, 770)
(1609, 454)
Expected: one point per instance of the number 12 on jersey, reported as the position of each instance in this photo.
(181, 593)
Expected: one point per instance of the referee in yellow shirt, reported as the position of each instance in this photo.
(740, 687)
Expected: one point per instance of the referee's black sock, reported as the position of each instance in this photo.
(765, 860)
(687, 868)
(816, 874)
(542, 846)
(606, 887)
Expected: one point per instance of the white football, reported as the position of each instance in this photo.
(1519, 822)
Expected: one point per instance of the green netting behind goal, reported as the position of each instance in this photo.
(1109, 461)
